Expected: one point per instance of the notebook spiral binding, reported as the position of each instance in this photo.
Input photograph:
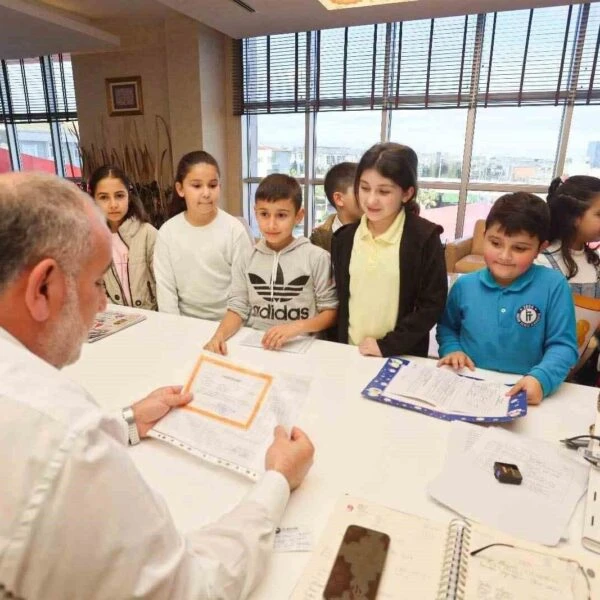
(454, 569)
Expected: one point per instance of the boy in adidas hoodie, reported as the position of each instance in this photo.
(284, 286)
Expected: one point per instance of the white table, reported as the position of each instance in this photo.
(363, 448)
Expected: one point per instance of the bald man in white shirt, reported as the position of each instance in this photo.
(77, 520)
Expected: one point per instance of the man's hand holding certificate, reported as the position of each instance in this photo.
(233, 413)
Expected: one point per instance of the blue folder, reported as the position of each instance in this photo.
(375, 390)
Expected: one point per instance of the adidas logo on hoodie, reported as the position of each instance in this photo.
(282, 286)
(278, 291)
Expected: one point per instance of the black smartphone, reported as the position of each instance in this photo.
(358, 566)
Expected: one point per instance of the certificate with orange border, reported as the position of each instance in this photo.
(227, 393)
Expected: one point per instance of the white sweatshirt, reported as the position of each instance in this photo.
(192, 265)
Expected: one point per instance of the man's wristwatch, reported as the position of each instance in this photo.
(132, 430)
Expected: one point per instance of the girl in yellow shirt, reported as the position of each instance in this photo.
(390, 269)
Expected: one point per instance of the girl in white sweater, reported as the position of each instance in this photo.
(196, 248)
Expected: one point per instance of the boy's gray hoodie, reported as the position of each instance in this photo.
(271, 288)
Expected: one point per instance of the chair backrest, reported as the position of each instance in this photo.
(478, 233)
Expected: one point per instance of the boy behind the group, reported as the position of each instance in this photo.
(284, 285)
(512, 316)
(339, 189)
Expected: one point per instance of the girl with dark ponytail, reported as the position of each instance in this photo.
(574, 224)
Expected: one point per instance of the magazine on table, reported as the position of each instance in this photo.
(109, 322)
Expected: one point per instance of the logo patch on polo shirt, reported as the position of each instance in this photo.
(528, 315)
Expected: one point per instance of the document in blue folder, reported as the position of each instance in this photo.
(444, 394)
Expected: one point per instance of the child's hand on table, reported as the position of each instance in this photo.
(457, 360)
(532, 387)
(369, 347)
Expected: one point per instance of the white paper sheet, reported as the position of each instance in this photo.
(292, 539)
(231, 419)
(299, 345)
(518, 572)
(539, 509)
(449, 392)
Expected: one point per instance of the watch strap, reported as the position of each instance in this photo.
(132, 430)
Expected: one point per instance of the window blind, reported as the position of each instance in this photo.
(31, 93)
(540, 56)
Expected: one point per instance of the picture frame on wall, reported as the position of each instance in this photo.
(124, 96)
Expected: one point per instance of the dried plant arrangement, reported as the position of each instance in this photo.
(148, 165)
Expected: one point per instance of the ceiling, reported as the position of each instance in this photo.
(36, 27)
(283, 16)
(28, 30)
(109, 9)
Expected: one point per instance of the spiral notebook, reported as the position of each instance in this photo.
(443, 394)
(453, 561)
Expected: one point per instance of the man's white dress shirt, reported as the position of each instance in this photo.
(78, 521)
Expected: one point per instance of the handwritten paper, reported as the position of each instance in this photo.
(235, 409)
(448, 391)
(292, 539)
(539, 509)
(522, 571)
(299, 345)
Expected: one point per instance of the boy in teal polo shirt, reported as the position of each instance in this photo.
(512, 316)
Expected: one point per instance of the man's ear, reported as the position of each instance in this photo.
(300, 216)
(45, 289)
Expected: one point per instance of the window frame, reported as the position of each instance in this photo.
(465, 185)
(55, 90)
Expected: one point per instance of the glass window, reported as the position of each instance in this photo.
(251, 190)
(478, 207)
(344, 136)
(279, 146)
(515, 144)
(35, 147)
(438, 138)
(440, 206)
(340, 137)
(583, 151)
(322, 208)
(69, 142)
(5, 164)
